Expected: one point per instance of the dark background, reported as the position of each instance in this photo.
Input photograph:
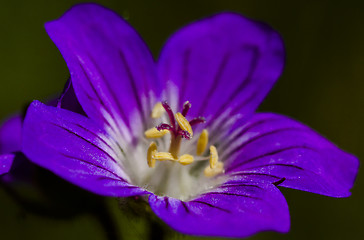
(322, 86)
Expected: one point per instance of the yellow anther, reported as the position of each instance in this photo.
(183, 123)
(211, 172)
(214, 157)
(151, 150)
(158, 110)
(202, 142)
(154, 133)
(186, 159)
(163, 156)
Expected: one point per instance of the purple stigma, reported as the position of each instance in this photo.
(197, 120)
(184, 134)
(170, 114)
(173, 127)
(164, 126)
(186, 108)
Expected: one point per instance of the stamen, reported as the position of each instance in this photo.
(214, 157)
(183, 123)
(211, 172)
(202, 142)
(180, 128)
(215, 166)
(186, 159)
(158, 110)
(186, 107)
(155, 133)
(163, 156)
(151, 150)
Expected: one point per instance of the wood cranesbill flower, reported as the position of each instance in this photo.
(182, 131)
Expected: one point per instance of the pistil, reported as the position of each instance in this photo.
(175, 145)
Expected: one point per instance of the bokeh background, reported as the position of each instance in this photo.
(322, 86)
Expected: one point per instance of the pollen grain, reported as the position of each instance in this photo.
(214, 157)
(163, 156)
(151, 151)
(202, 142)
(186, 159)
(183, 123)
(158, 110)
(211, 172)
(155, 133)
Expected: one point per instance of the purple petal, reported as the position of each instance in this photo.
(275, 147)
(10, 135)
(235, 209)
(73, 147)
(223, 62)
(112, 70)
(6, 160)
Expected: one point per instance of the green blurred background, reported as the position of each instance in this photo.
(322, 86)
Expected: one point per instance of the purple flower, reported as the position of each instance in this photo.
(182, 132)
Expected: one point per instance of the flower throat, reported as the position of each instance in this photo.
(180, 128)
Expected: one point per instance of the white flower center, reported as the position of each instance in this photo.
(175, 163)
